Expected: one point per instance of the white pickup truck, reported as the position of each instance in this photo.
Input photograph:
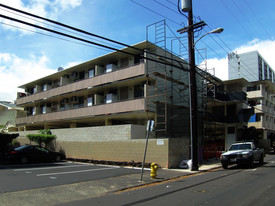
(242, 153)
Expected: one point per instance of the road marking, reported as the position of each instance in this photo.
(73, 172)
(250, 170)
(47, 168)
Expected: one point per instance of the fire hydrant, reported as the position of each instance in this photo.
(154, 168)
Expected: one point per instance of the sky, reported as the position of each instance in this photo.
(27, 54)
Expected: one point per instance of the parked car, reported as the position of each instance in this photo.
(242, 153)
(29, 153)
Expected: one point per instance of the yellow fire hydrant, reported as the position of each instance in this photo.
(154, 168)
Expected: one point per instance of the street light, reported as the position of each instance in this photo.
(215, 31)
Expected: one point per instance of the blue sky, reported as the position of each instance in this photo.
(27, 55)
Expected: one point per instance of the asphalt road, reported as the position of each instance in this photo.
(234, 186)
(32, 176)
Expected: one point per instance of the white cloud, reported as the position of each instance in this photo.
(44, 8)
(71, 64)
(16, 71)
(265, 47)
(218, 67)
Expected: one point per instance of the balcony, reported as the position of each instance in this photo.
(242, 116)
(111, 108)
(122, 74)
(236, 96)
(255, 94)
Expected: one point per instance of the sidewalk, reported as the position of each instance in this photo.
(169, 174)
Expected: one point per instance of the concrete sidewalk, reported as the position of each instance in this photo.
(168, 174)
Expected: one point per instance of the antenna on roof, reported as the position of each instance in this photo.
(60, 69)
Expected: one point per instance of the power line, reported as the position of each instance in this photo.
(155, 12)
(44, 34)
(254, 13)
(64, 25)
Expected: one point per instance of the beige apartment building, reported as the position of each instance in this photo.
(261, 96)
(99, 109)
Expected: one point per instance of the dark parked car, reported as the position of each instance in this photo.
(28, 153)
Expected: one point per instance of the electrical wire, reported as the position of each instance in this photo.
(155, 12)
(70, 36)
(56, 37)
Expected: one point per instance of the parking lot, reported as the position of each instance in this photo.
(32, 176)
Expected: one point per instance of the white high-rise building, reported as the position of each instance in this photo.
(251, 66)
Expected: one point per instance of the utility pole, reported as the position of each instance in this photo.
(193, 90)
(187, 6)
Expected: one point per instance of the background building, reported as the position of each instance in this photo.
(260, 91)
(250, 65)
(9, 112)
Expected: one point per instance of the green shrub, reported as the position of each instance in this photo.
(43, 139)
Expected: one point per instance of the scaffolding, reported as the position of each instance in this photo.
(167, 85)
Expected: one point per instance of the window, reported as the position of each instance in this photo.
(124, 62)
(81, 75)
(138, 90)
(258, 117)
(91, 73)
(253, 88)
(260, 69)
(265, 71)
(90, 101)
(124, 93)
(44, 109)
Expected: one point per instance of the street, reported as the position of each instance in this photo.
(235, 186)
(70, 183)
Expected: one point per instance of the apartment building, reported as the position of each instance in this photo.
(260, 90)
(261, 96)
(226, 113)
(99, 109)
(250, 65)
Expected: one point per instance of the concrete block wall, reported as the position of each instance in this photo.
(116, 143)
(131, 150)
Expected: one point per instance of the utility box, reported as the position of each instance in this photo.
(186, 5)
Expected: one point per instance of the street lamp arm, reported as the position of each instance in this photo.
(215, 31)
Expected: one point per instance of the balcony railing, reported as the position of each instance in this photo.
(242, 116)
(236, 96)
(85, 112)
(117, 75)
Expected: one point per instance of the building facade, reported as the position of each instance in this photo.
(251, 66)
(227, 112)
(108, 101)
(260, 91)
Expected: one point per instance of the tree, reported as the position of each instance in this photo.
(43, 139)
